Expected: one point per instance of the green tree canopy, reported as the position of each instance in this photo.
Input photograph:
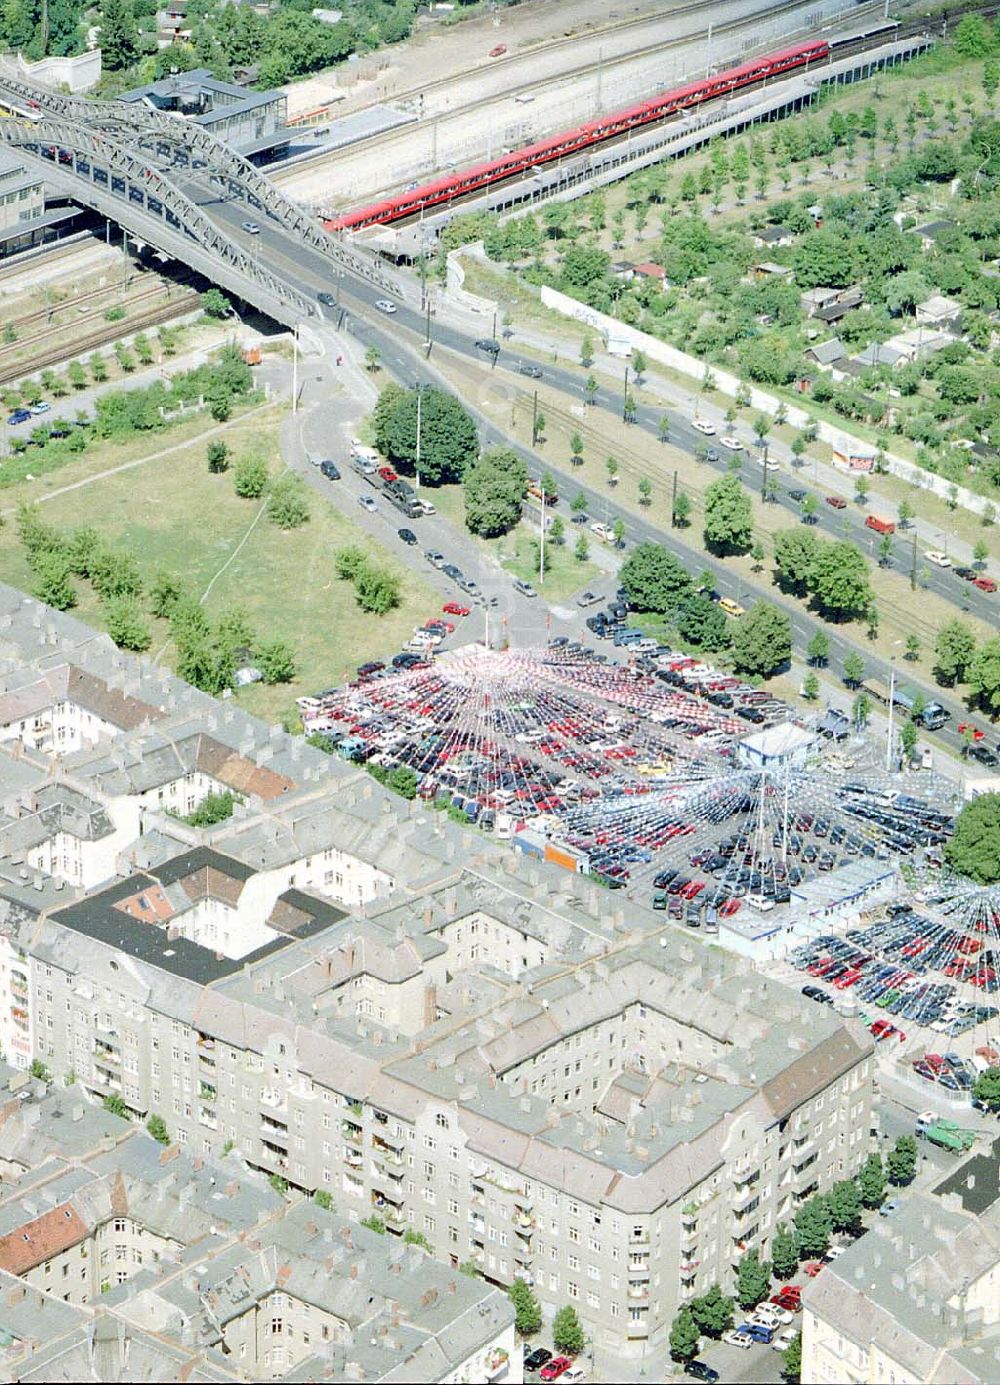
(987, 1088)
(984, 675)
(713, 1312)
(901, 1161)
(288, 501)
(762, 640)
(448, 438)
(728, 516)
(527, 1309)
(753, 1280)
(794, 555)
(825, 256)
(839, 581)
(567, 1331)
(703, 623)
(813, 1225)
(871, 1181)
(974, 849)
(494, 487)
(785, 1252)
(954, 649)
(684, 1335)
(653, 578)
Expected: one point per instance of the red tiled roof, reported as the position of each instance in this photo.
(39, 1240)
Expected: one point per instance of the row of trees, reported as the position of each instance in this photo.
(567, 1330)
(833, 574)
(208, 654)
(806, 1237)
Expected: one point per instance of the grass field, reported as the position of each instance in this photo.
(177, 517)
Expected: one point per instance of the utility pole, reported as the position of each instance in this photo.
(534, 415)
(427, 336)
(708, 54)
(913, 565)
(295, 368)
(541, 534)
(416, 462)
(892, 698)
(763, 473)
(673, 504)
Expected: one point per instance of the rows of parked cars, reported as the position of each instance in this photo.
(886, 966)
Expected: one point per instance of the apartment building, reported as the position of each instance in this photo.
(359, 999)
(917, 1300)
(233, 1279)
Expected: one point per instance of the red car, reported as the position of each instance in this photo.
(836, 502)
(985, 584)
(730, 907)
(881, 526)
(789, 1298)
(498, 52)
(555, 1368)
(813, 1267)
(882, 1029)
(452, 608)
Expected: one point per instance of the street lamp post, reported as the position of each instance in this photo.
(295, 369)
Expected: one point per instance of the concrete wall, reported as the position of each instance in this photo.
(75, 74)
(727, 383)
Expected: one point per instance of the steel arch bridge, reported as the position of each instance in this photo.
(128, 162)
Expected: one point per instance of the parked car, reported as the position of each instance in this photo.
(701, 1370)
(407, 535)
(367, 503)
(553, 1369)
(19, 416)
(330, 469)
(836, 502)
(492, 348)
(703, 426)
(738, 1338)
(536, 1359)
(385, 305)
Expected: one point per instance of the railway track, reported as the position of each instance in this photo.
(281, 176)
(154, 316)
(43, 315)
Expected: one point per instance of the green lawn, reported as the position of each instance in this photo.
(176, 517)
(516, 552)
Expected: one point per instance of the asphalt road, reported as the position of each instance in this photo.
(399, 339)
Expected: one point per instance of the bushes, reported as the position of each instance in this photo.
(376, 589)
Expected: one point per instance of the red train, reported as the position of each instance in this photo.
(521, 161)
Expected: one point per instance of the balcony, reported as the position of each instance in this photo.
(524, 1224)
(639, 1239)
(271, 1097)
(110, 1056)
(744, 1196)
(275, 1133)
(353, 1158)
(207, 1092)
(497, 1363)
(207, 1117)
(638, 1271)
(476, 1225)
(638, 1291)
(385, 1154)
(205, 1044)
(105, 1078)
(354, 1133)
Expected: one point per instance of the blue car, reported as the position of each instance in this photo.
(19, 416)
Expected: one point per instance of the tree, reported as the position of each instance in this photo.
(784, 1252)
(250, 477)
(157, 1127)
(654, 579)
(983, 675)
(762, 640)
(825, 257)
(885, 551)
(728, 517)
(753, 1280)
(639, 364)
(416, 1238)
(681, 510)
(576, 449)
(402, 781)
(214, 304)
(276, 661)
(618, 531)
(701, 622)
(684, 1336)
(980, 552)
(713, 1312)
(972, 38)
(974, 849)
(810, 508)
(581, 551)
(758, 554)
(567, 1331)
(448, 438)
(791, 1366)
(818, 649)
(987, 1088)
(663, 428)
(119, 35)
(991, 79)
(861, 711)
(901, 1161)
(839, 581)
(587, 353)
(844, 1203)
(912, 648)
(373, 358)
(377, 589)
(645, 489)
(116, 1106)
(905, 511)
(854, 668)
(611, 467)
(51, 582)
(871, 1182)
(494, 488)
(527, 1309)
(376, 1224)
(954, 649)
(590, 388)
(125, 623)
(39, 1071)
(813, 1225)
(537, 427)
(218, 456)
(288, 501)
(810, 687)
(908, 737)
(794, 557)
(579, 503)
